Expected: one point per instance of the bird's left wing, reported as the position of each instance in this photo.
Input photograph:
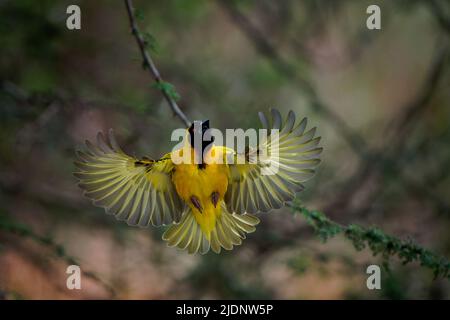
(274, 170)
(137, 191)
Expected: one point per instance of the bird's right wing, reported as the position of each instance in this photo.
(267, 180)
(138, 191)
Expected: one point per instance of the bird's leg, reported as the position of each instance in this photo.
(215, 198)
(196, 202)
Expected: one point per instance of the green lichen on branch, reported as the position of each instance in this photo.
(146, 42)
(167, 88)
(150, 42)
(377, 241)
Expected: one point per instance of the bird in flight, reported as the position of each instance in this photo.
(207, 204)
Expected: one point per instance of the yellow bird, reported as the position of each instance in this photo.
(206, 203)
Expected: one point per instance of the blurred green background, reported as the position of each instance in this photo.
(380, 100)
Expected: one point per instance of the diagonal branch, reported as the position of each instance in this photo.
(377, 241)
(149, 64)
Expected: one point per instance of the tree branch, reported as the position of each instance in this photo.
(165, 88)
(361, 237)
(377, 241)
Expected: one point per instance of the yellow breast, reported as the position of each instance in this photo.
(201, 182)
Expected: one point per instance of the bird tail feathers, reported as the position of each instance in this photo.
(229, 231)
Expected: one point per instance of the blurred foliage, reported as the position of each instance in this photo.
(8, 225)
(59, 87)
(167, 88)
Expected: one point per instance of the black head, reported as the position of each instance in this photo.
(197, 135)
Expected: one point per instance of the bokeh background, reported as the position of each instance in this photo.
(380, 100)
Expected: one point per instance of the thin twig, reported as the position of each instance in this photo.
(148, 63)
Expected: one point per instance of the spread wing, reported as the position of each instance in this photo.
(274, 170)
(137, 191)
